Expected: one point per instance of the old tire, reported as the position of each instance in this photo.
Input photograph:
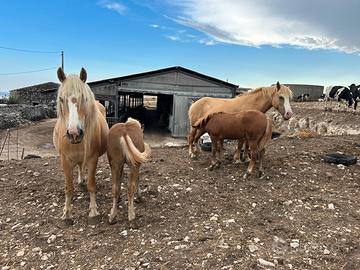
(338, 158)
(206, 146)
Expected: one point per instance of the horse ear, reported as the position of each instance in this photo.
(83, 74)
(61, 75)
(278, 86)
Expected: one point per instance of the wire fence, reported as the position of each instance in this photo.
(9, 145)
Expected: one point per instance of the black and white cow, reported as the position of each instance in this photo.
(355, 90)
(303, 97)
(342, 94)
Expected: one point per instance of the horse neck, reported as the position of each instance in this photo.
(260, 101)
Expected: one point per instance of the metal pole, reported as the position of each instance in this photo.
(62, 60)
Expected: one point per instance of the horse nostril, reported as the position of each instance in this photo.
(81, 132)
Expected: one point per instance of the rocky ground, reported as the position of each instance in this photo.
(304, 214)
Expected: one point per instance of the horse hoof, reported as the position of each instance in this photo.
(94, 220)
(133, 224)
(112, 221)
(82, 187)
(68, 222)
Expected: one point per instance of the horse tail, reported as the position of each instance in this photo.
(267, 135)
(132, 155)
(202, 122)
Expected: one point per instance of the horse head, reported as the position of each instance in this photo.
(74, 104)
(281, 100)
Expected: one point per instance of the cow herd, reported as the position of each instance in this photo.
(342, 96)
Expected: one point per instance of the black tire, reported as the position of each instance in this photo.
(205, 146)
(275, 135)
(338, 158)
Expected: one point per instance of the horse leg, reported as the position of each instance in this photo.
(221, 150)
(139, 198)
(261, 169)
(116, 175)
(134, 176)
(237, 155)
(191, 139)
(94, 216)
(214, 149)
(253, 154)
(69, 189)
(81, 177)
(246, 152)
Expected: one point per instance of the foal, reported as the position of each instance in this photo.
(126, 145)
(252, 127)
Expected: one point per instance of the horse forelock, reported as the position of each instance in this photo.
(74, 87)
(285, 91)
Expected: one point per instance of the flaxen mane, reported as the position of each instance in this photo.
(269, 91)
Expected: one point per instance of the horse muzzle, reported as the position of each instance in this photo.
(287, 115)
(75, 136)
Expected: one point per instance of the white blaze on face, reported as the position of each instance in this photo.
(287, 107)
(74, 121)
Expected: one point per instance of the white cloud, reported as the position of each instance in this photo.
(319, 24)
(112, 5)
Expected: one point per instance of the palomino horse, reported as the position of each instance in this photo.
(79, 136)
(250, 126)
(260, 99)
(126, 145)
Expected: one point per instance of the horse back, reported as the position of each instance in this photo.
(249, 123)
(208, 105)
(122, 129)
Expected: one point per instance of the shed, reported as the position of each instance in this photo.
(160, 99)
(44, 93)
(314, 91)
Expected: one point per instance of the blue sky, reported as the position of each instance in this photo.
(249, 43)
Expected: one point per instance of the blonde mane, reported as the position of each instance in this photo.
(284, 90)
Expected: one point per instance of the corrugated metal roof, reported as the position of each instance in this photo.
(164, 70)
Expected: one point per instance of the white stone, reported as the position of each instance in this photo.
(36, 174)
(341, 167)
(51, 238)
(265, 263)
(331, 206)
(326, 251)
(20, 253)
(124, 233)
(252, 248)
(295, 243)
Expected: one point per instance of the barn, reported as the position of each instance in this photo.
(160, 99)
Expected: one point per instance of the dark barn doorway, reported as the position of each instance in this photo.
(154, 111)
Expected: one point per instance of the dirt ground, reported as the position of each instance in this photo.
(304, 214)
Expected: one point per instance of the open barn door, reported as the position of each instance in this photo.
(180, 121)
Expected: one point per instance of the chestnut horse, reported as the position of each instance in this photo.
(79, 136)
(260, 99)
(251, 126)
(126, 145)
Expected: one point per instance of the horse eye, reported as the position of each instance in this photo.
(61, 99)
(281, 98)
